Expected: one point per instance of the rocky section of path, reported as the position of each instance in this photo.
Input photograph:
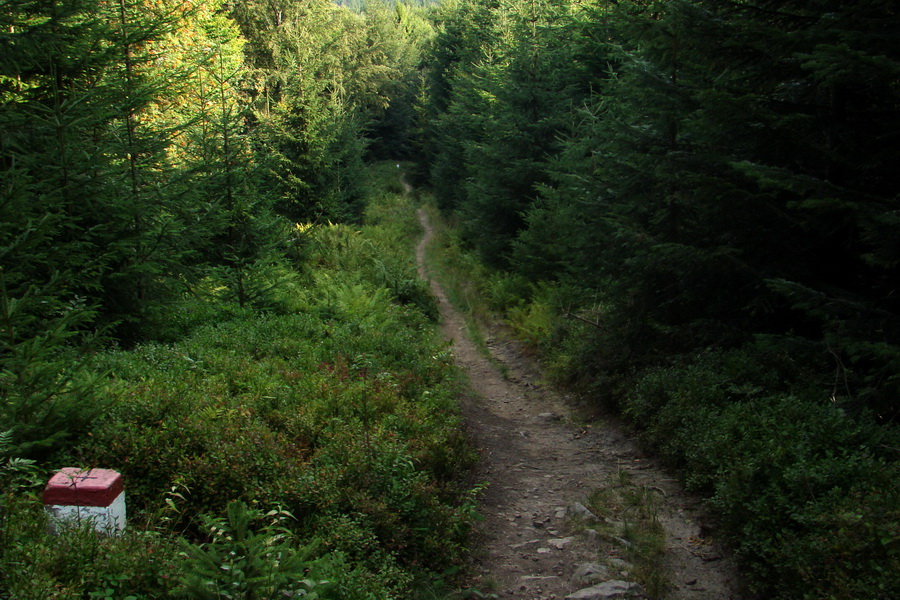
(540, 466)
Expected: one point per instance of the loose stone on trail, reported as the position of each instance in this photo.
(580, 510)
(590, 573)
(608, 590)
(549, 416)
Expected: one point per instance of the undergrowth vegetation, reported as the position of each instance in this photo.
(629, 517)
(805, 489)
(310, 449)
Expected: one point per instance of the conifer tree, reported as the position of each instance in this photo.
(402, 32)
(505, 80)
(85, 134)
(60, 211)
(458, 100)
(533, 94)
(319, 79)
(737, 184)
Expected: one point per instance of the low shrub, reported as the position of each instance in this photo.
(506, 291)
(805, 491)
(78, 563)
(338, 407)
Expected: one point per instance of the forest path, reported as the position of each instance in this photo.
(537, 461)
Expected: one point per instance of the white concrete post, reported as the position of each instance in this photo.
(97, 495)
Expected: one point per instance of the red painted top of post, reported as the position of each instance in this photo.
(75, 487)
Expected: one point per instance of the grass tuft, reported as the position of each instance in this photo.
(629, 515)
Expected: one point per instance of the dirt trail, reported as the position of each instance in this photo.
(536, 460)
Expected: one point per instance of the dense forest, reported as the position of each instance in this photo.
(688, 208)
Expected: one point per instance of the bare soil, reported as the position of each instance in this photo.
(540, 455)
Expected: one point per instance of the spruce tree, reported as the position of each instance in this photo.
(533, 91)
(731, 179)
(458, 101)
(52, 182)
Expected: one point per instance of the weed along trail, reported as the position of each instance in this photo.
(571, 510)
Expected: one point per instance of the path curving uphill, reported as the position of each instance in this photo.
(538, 464)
